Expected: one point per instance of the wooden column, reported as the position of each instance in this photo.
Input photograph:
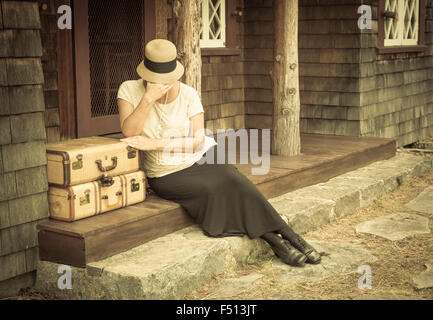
(186, 37)
(285, 74)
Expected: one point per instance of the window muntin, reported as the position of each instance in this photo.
(213, 24)
(403, 30)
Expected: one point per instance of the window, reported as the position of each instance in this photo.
(213, 24)
(402, 24)
(403, 28)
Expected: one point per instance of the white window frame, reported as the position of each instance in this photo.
(400, 33)
(205, 42)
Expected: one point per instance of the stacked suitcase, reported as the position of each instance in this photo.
(93, 175)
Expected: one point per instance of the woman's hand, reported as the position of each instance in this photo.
(142, 143)
(154, 91)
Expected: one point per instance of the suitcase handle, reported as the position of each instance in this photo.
(109, 168)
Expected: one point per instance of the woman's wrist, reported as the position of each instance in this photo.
(147, 99)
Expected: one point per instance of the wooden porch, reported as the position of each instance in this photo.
(95, 238)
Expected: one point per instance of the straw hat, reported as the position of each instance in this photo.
(160, 63)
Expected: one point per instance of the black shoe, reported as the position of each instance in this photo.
(296, 240)
(288, 254)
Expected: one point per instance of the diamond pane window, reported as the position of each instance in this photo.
(213, 24)
(403, 29)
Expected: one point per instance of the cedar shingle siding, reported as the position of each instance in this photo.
(23, 180)
(48, 31)
(349, 89)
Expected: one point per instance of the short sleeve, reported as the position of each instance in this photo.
(124, 93)
(195, 107)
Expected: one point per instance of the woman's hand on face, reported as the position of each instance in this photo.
(154, 91)
(142, 143)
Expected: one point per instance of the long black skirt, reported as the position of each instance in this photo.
(220, 199)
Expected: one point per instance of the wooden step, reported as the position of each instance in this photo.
(104, 235)
(101, 236)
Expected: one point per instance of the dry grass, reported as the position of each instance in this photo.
(398, 261)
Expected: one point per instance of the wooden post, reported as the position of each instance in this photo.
(285, 74)
(186, 37)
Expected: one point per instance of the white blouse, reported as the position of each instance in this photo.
(165, 121)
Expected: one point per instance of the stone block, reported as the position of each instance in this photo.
(28, 209)
(339, 258)
(423, 202)
(24, 71)
(304, 214)
(31, 181)
(5, 131)
(8, 187)
(27, 127)
(20, 15)
(25, 99)
(396, 226)
(424, 279)
(4, 101)
(4, 215)
(24, 155)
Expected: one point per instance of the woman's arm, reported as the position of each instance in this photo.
(132, 121)
(184, 144)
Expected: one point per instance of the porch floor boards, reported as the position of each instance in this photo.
(98, 237)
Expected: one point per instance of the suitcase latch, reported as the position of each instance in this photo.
(132, 153)
(76, 165)
(135, 186)
(86, 199)
(106, 181)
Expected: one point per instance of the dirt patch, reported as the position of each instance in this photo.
(30, 294)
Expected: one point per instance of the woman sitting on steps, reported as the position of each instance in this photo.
(221, 200)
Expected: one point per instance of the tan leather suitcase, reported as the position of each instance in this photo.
(82, 160)
(88, 199)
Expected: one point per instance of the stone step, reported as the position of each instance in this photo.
(172, 266)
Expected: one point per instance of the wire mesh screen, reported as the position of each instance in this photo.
(115, 44)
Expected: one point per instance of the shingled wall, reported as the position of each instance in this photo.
(258, 45)
(222, 83)
(23, 180)
(347, 88)
(48, 16)
(397, 89)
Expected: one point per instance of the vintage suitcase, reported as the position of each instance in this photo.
(92, 198)
(78, 161)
